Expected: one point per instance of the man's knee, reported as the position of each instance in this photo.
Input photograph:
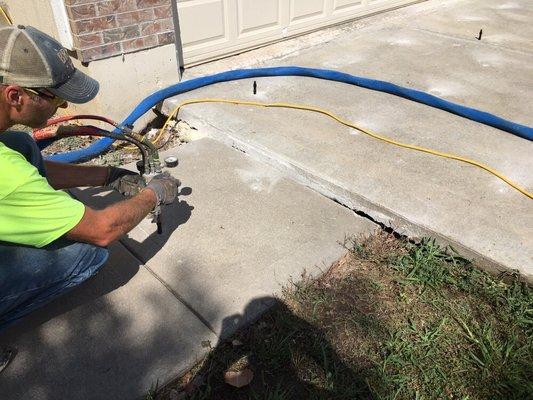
(79, 260)
(19, 141)
(36, 269)
(24, 144)
(91, 259)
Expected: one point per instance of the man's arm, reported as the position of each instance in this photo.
(65, 176)
(101, 227)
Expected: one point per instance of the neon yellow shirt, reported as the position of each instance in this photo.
(31, 211)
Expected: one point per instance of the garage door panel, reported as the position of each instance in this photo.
(302, 10)
(258, 17)
(346, 5)
(213, 28)
(203, 22)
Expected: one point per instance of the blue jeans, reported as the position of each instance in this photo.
(31, 277)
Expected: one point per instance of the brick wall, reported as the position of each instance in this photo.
(106, 28)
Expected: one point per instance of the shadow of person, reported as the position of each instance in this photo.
(290, 358)
(172, 216)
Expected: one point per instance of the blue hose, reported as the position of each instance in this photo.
(101, 145)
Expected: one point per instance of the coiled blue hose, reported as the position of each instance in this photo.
(101, 145)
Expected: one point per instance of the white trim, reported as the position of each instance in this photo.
(62, 23)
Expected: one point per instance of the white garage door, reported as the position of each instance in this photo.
(213, 28)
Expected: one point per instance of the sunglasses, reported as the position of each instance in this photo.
(55, 100)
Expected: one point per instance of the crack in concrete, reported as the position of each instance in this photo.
(385, 218)
(471, 41)
(175, 294)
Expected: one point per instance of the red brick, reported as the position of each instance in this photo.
(163, 12)
(149, 28)
(151, 3)
(94, 24)
(97, 53)
(82, 12)
(159, 26)
(90, 40)
(140, 43)
(165, 38)
(167, 24)
(135, 17)
(116, 6)
(120, 34)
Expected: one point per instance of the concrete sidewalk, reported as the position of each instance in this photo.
(431, 47)
(227, 248)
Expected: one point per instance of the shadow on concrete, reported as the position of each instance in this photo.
(114, 336)
(123, 332)
(85, 345)
(172, 217)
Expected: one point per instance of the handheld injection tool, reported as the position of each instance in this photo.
(148, 166)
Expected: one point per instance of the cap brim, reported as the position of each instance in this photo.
(80, 88)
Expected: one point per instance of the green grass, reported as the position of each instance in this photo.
(392, 320)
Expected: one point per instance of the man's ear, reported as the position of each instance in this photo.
(13, 95)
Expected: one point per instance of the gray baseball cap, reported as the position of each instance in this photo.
(32, 59)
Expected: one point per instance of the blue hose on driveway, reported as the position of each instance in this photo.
(101, 145)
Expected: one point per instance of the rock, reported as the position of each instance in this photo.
(151, 134)
(239, 378)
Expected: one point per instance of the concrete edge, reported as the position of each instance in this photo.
(356, 202)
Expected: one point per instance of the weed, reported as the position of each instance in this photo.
(152, 392)
(428, 264)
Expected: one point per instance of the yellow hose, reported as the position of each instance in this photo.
(351, 125)
(6, 17)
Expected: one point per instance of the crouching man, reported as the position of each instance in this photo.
(50, 242)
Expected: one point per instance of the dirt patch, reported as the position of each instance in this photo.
(391, 320)
(122, 153)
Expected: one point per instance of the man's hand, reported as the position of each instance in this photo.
(165, 187)
(102, 227)
(127, 183)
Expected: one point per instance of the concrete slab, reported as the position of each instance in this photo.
(496, 18)
(417, 194)
(240, 236)
(113, 337)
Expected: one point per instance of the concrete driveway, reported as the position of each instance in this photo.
(433, 47)
(245, 229)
